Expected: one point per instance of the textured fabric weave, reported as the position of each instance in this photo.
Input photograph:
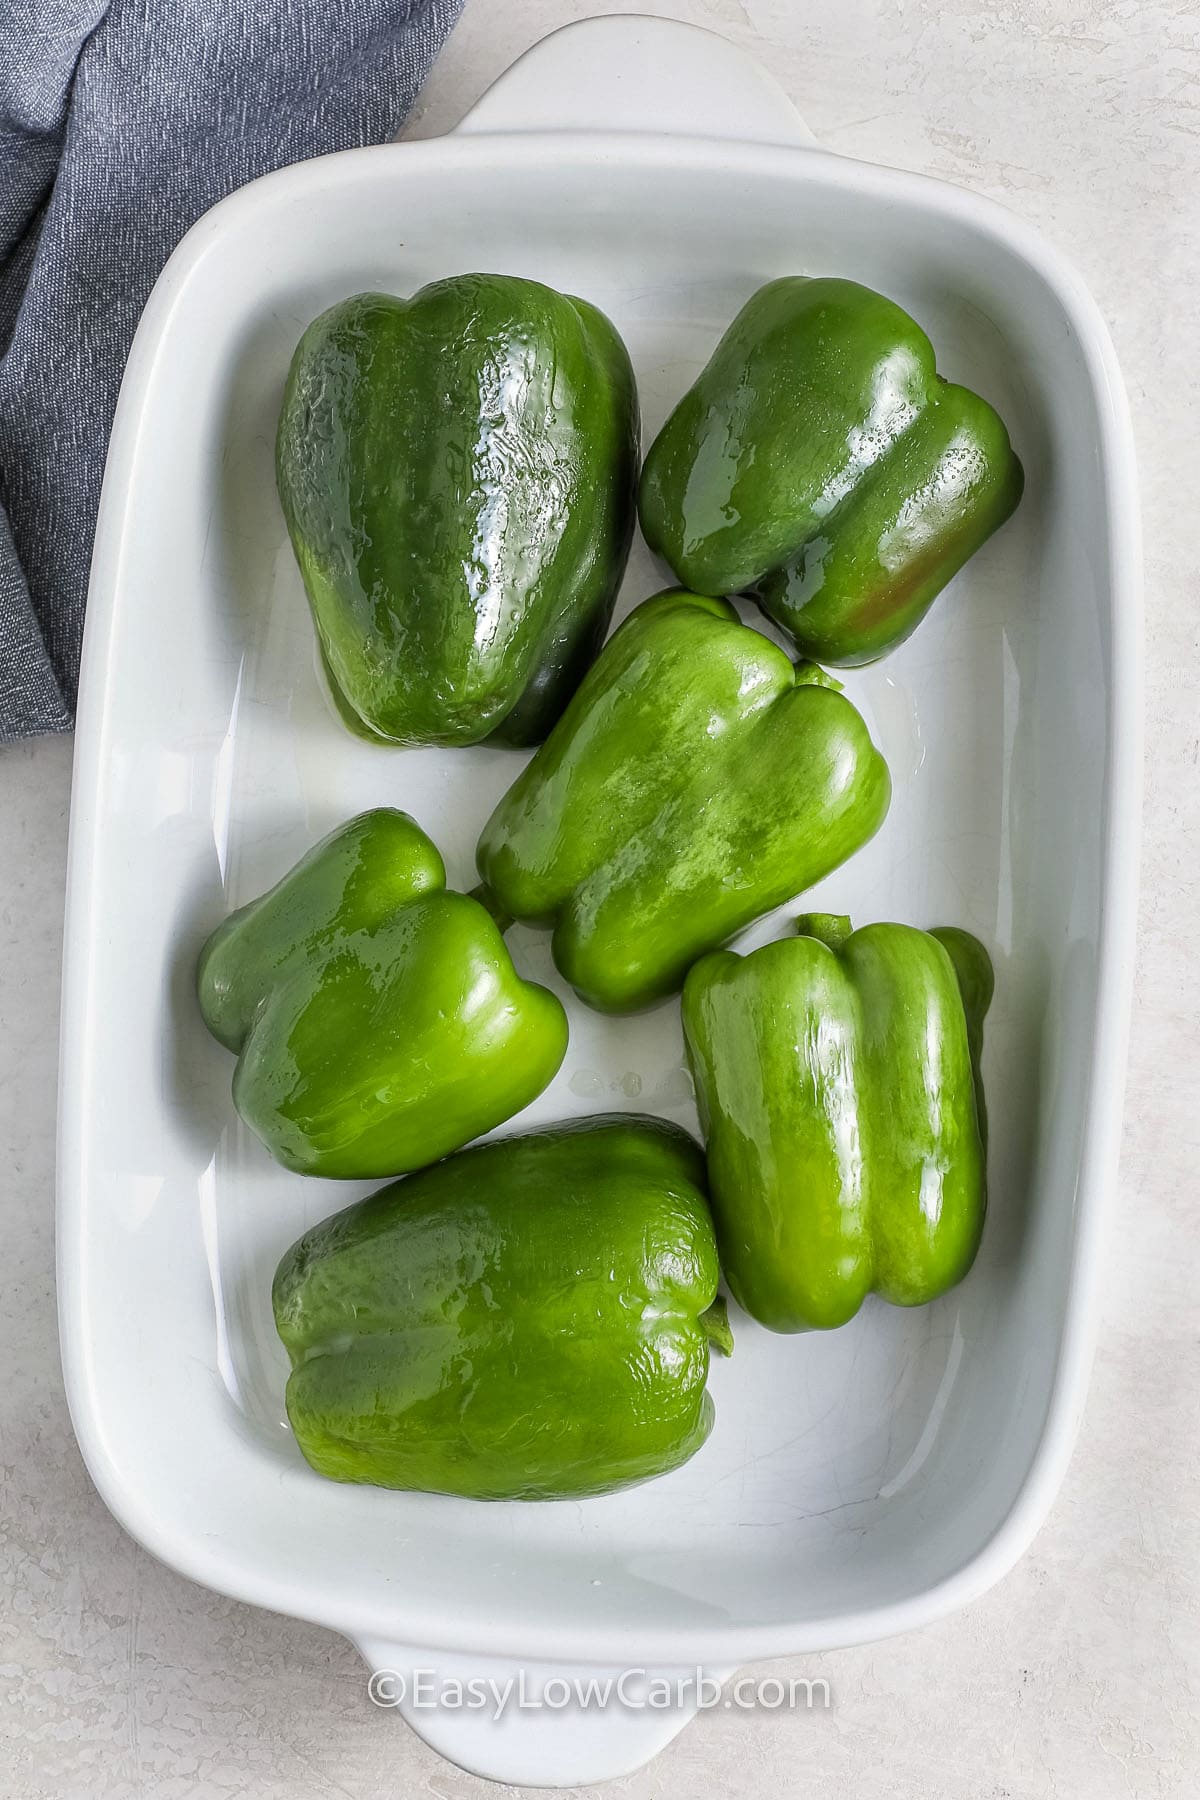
(121, 123)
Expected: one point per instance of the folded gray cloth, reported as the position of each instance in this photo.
(121, 121)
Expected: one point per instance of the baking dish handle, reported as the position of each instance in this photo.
(537, 1724)
(627, 72)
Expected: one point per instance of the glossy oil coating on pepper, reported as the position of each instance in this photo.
(821, 463)
(529, 1320)
(377, 1019)
(837, 1077)
(457, 472)
(696, 780)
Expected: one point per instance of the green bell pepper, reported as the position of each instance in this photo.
(457, 472)
(820, 462)
(529, 1320)
(696, 780)
(837, 1078)
(377, 1019)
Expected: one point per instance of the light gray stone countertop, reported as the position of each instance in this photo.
(1078, 1675)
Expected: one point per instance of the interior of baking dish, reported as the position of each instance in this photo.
(851, 1475)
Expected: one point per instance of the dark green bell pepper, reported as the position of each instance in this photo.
(837, 1077)
(377, 1019)
(529, 1320)
(457, 472)
(821, 463)
(696, 780)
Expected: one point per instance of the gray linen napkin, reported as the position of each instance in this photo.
(120, 123)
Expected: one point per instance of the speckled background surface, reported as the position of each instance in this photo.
(1078, 1675)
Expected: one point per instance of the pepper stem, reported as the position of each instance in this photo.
(717, 1328)
(490, 904)
(811, 674)
(832, 928)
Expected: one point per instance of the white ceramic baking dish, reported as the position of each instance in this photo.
(859, 1482)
